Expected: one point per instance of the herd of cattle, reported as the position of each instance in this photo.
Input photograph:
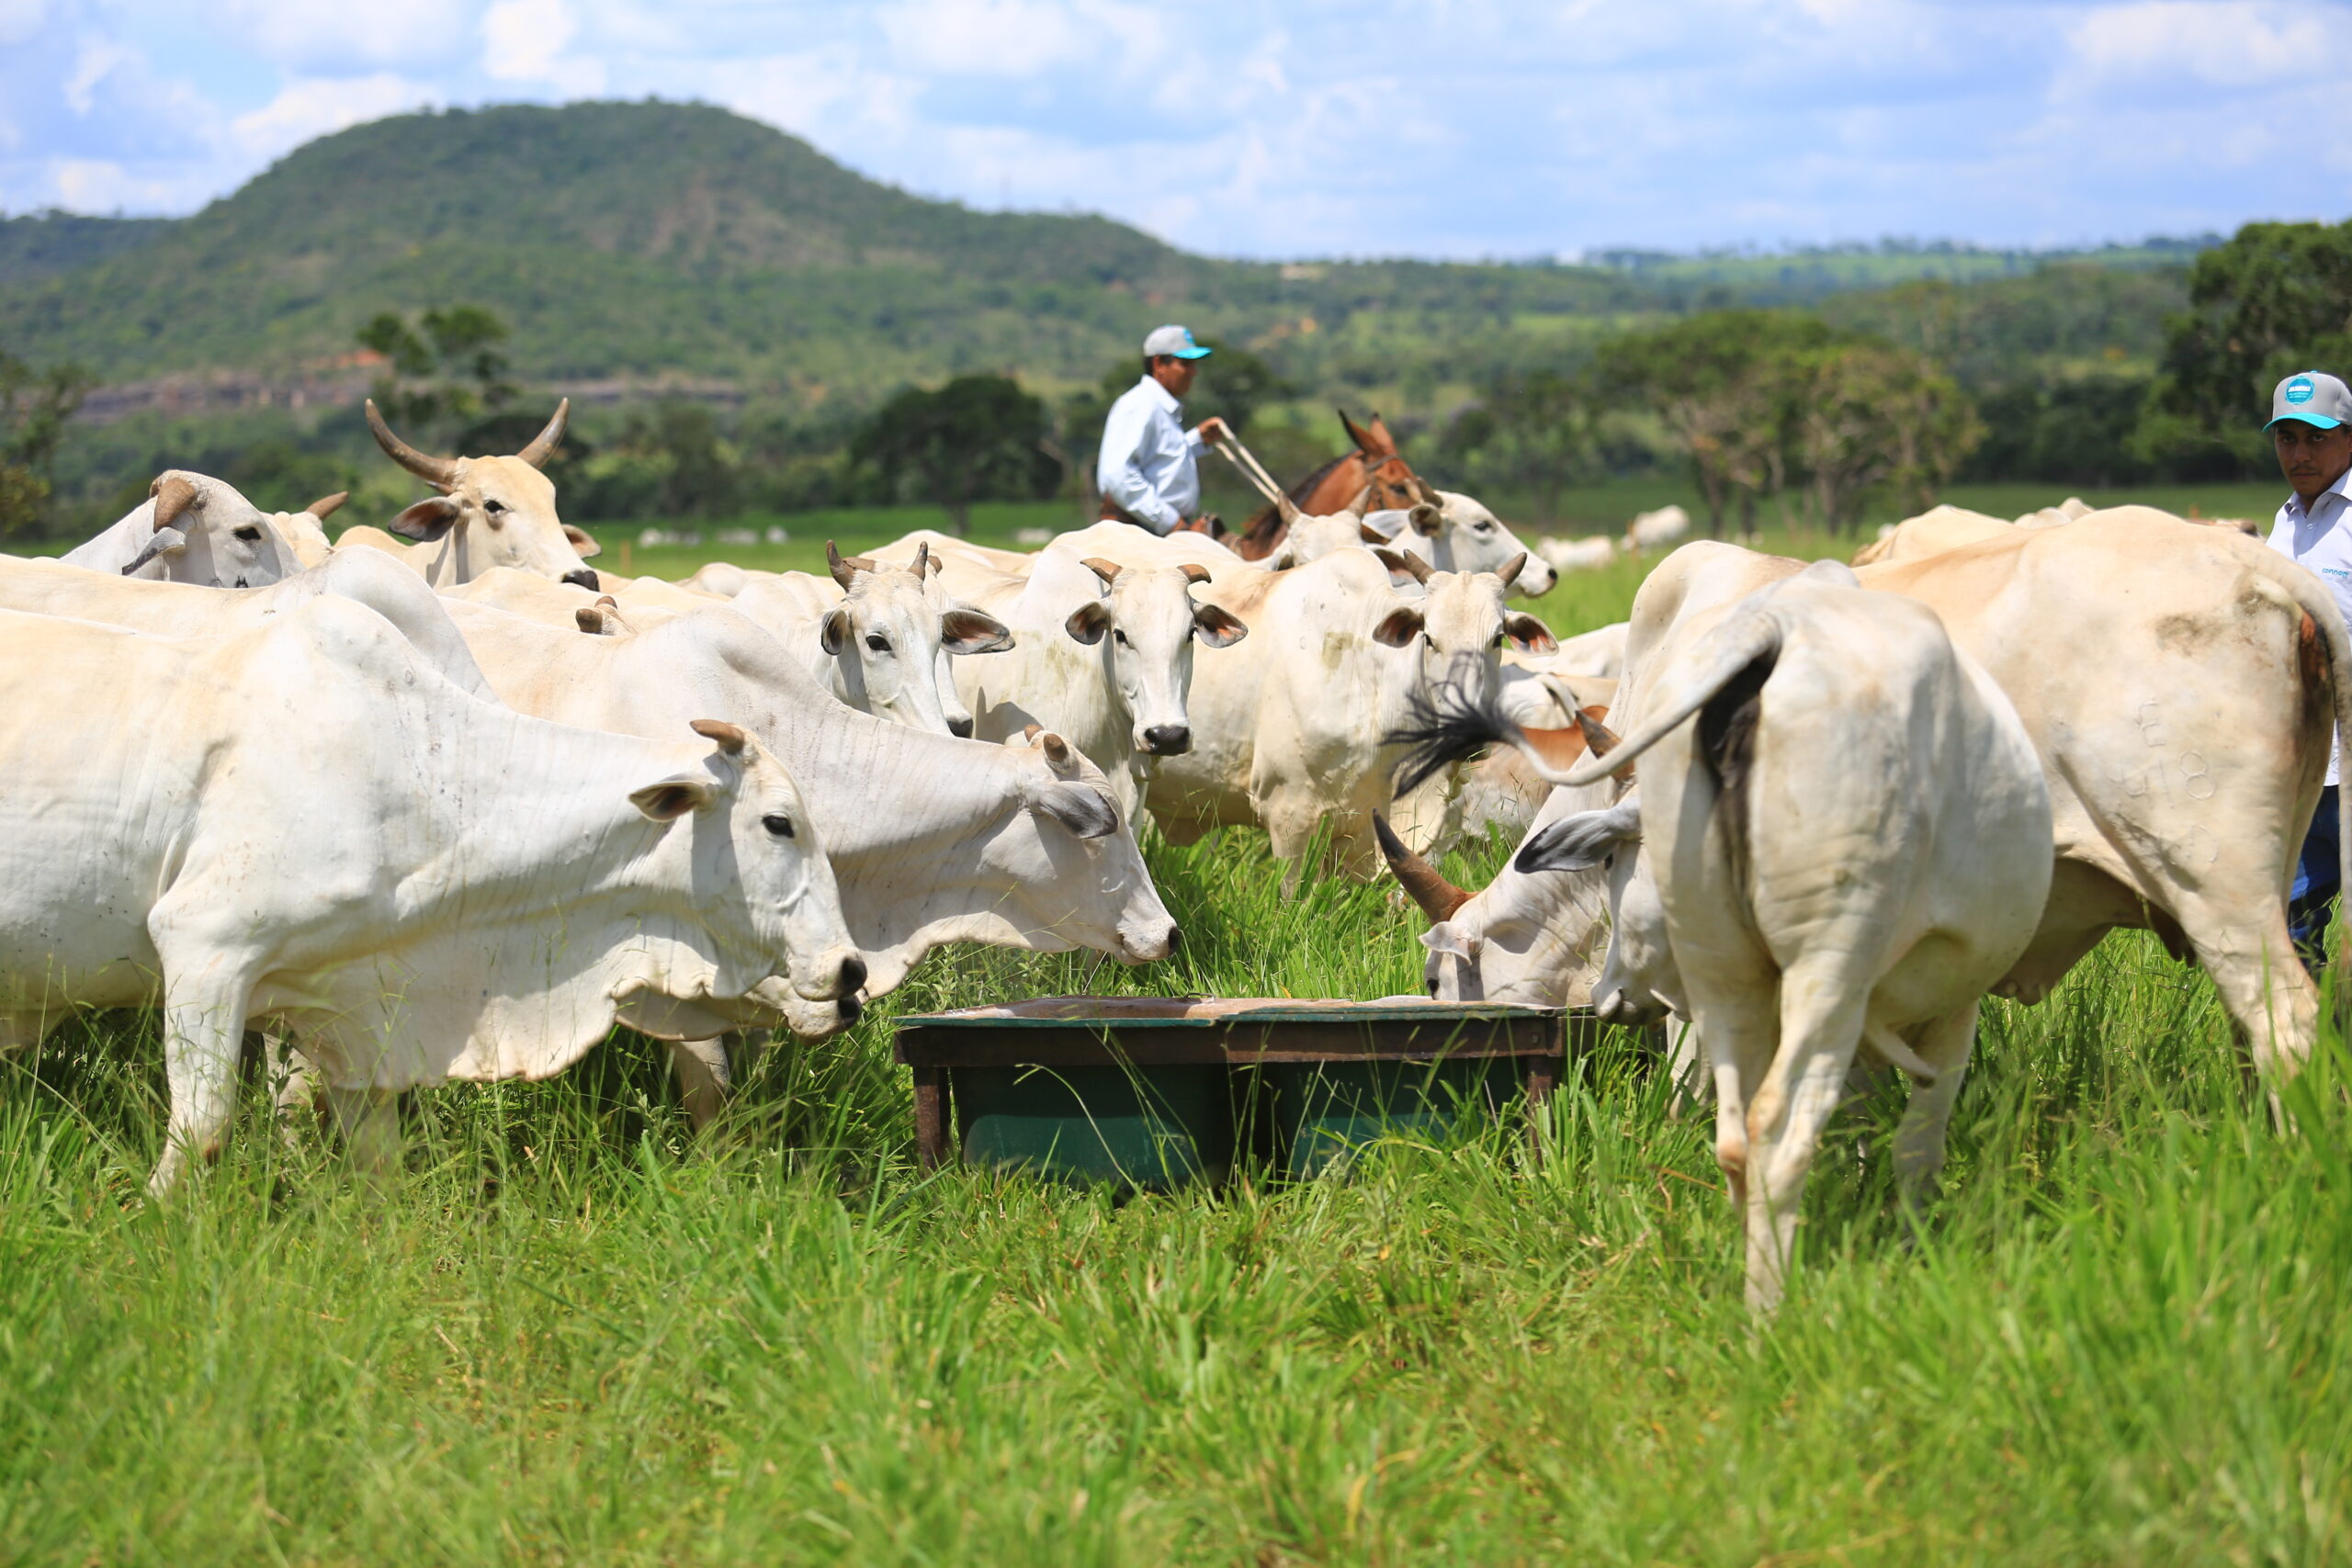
(442, 800)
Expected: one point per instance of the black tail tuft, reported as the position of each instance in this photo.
(1441, 728)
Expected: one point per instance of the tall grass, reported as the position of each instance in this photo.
(569, 1333)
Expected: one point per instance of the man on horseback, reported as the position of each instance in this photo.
(1146, 471)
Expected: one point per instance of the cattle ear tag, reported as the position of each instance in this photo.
(1447, 937)
(673, 798)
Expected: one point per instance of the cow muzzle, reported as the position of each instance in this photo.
(1167, 739)
(960, 727)
(583, 578)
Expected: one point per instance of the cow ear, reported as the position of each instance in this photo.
(1581, 843)
(970, 631)
(1426, 520)
(428, 520)
(1399, 574)
(1447, 937)
(1217, 627)
(1089, 621)
(1080, 807)
(584, 543)
(1379, 527)
(833, 632)
(1529, 634)
(674, 796)
(1399, 627)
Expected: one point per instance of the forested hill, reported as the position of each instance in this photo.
(645, 241)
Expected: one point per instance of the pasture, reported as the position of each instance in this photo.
(570, 1331)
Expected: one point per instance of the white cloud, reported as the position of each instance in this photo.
(20, 19)
(318, 107)
(338, 36)
(523, 40)
(2232, 43)
(986, 38)
(92, 65)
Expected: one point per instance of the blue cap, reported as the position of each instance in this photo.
(1175, 340)
(2313, 398)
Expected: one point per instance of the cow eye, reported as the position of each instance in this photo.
(1500, 637)
(248, 533)
(780, 826)
(493, 507)
(1429, 642)
(1120, 636)
(878, 643)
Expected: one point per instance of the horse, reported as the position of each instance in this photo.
(1373, 478)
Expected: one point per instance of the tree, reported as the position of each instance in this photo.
(976, 438)
(444, 373)
(1869, 414)
(2274, 299)
(35, 406)
(1532, 434)
(1235, 384)
(1719, 380)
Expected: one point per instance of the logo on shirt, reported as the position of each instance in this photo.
(2299, 390)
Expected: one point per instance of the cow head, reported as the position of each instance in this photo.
(754, 841)
(1458, 533)
(1078, 874)
(305, 530)
(491, 510)
(1460, 627)
(892, 634)
(1307, 538)
(1639, 982)
(204, 532)
(1150, 620)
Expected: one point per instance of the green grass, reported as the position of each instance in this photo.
(571, 1332)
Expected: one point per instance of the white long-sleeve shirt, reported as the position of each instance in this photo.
(1147, 467)
(2320, 537)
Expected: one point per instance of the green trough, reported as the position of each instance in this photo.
(1152, 1093)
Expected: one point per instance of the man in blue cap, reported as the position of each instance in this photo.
(1146, 468)
(2311, 426)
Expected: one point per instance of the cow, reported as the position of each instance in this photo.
(878, 637)
(1102, 655)
(176, 609)
(490, 511)
(1600, 652)
(1656, 530)
(305, 530)
(1290, 729)
(1848, 833)
(1459, 534)
(1931, 532)
(191, 528)
(303, 822)
(1590, 553)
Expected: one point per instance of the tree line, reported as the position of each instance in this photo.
(1868, 400)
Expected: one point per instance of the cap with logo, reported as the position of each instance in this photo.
(2312, 397)
(1176, 341)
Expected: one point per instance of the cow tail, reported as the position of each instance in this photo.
(1743, 642)
(2327, 616)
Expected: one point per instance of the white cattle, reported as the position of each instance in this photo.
(1849, 845)
(1934, 531)
(191, 528)
(1598, 653)
(878, 637)
(305, 823)
(1291, 729)
(932, 839)
(2068, 510)
(1657, 530)
(305, 530)
(490, 511)
(562, 606)
(177, 609)
(1590, 553)
(1459, 534)
(1102, 655)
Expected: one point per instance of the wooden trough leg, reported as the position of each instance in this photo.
(1542, 1077)
(930, 1116)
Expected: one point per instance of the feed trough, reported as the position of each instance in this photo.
(1155, 1092)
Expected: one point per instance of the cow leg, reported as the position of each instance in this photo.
(2262, 982)
(1946, 1045)
(204, 1036)
(369, 1121)
(704, 1077)
(1821, 1024)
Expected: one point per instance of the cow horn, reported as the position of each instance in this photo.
(327, 505)
(1438, 898)
(728, 736)
(1194, 572)
(842, 569)
(173, 494)
(1597, 737)
(922, 560)
(544, 444)
(1512, 568)
(442, 471)
(1056, 751)
(1417, 566)
(1108, 571)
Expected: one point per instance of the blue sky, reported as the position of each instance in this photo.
(1446, 128)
